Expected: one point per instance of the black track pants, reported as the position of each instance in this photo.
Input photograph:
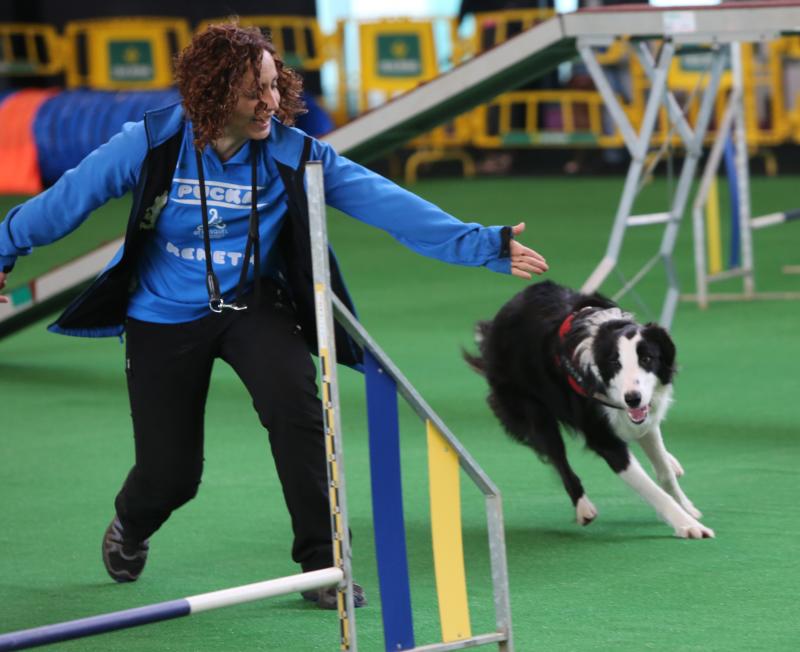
(168, 369)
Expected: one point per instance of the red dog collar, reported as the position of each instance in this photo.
(574, 379)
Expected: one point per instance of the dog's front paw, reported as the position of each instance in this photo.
(676, 465)
(689, 508)
(585, 511)
(694, 530)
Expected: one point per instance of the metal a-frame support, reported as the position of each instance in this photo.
(638, 145)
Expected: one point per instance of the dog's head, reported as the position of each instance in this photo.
(635, 363)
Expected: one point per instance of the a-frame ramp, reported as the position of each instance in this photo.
(538, 50)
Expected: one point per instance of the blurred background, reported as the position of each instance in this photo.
(72, 73)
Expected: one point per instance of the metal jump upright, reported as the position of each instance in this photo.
(384, 381)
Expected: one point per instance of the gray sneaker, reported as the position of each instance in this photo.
(326, 597)
(124, 560)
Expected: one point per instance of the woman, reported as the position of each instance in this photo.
(218, 201)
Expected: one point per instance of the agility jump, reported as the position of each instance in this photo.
(445, 454)
(730, 143)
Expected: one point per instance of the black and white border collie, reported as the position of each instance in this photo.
(554, 356)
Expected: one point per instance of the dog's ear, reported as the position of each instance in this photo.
(666, 348)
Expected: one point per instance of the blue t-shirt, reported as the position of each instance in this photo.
(172, 272)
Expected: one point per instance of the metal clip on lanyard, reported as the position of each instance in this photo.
(215, 300)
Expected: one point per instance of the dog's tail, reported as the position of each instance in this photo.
(477, 362)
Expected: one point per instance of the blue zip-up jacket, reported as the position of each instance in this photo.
(145, 166)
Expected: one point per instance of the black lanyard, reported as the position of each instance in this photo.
(215, 301)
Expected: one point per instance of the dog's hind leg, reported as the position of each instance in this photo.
(530, 422)
(585, 511)
(552, 447)
(664, 465)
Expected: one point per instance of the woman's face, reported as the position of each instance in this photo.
(250, 119)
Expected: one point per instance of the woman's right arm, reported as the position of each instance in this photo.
(109, 171)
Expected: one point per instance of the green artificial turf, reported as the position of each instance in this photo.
(623, 583)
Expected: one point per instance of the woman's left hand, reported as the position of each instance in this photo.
(525, 261)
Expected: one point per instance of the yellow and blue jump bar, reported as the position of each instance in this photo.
(387, 507)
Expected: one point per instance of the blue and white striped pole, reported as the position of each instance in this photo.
(27, 638)
(774, 218)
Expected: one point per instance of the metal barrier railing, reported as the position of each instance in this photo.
(535, 118)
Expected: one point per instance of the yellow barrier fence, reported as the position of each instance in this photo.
(123, 53)
(396, 55)
(30, 50)
(298, 39)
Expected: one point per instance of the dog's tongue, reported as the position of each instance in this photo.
(638, 414)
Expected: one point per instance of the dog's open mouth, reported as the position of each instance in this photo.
(639, 414)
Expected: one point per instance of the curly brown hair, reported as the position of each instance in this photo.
(209, 75)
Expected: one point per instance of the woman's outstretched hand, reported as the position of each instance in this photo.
(524, 261)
